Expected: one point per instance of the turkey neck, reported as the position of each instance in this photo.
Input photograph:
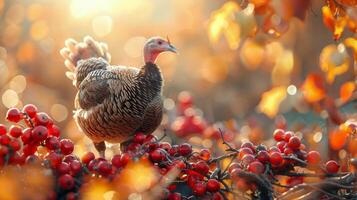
(150, 77)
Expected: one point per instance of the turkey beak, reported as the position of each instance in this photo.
(172, 48)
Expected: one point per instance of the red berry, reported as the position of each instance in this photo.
(205, 154)
(63, 168)
(313, 157)
(174, 196)
(125, 158)
(66, 146)
(233, 166)
(54, 131)
(139, 138)
(217, 196)
(288, 135)
(157, 155)
(263, 156)
(248, 145)
(247, 159)
(39, 133)
(199, 189)
(213, 185)
(133, 147)
(332, 167)
(273, 149)
(174, 150)
(15, 144)
(116, 161)
(5, 139)
(3, 150)
(179, 164)
(70, 158)
(71, 196)
(244, 151)
(87, 157)
(3, 129)
(294, 142)
(279, 135)
(92, 164)
(185, 149)
(30, 110)
(276, 158)
(29, 149)
(165, 145)
(150, 138)
(66, 181)
(256, 167)
(54, 159)
(202, 167)
(15, 131)
(26, 135)
(104, 168)
(76, 167)
(281, 145)
(288, 151)
(16, 159)
(14, 115)
(52, 143)
(42, 118)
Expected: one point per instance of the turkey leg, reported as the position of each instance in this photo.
(100, 148)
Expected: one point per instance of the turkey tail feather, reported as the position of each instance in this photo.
(75, 51)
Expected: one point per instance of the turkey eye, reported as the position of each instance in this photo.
(159, 42)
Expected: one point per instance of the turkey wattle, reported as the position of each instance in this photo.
(114, 102)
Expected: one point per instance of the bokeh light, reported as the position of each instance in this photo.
(10, 98)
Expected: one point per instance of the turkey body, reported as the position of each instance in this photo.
(114, 102)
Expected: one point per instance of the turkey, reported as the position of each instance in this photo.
(113, 102)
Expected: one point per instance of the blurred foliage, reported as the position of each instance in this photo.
(246, 63)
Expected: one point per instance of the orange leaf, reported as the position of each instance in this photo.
(313, 88)
(338, 139)
(328, 18)
(270, 102)
(335, 24)
(348, 2)
(346, 91)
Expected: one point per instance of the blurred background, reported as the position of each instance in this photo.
(226, 63)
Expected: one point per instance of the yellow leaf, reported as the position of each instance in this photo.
(283, 67)
(352, 43)
(334, 60)
(270, 101)
(252, 54)
(223, 22)
(232, 34)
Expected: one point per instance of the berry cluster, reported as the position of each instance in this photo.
(251, 169)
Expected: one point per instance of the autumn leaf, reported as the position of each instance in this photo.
(270, 101)
(222, 22)
(284, 64)
(338, 139)
(347, 2)
(334, 60)
(313, 88)
(346, 91)
(352, 43)
(335, 24)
